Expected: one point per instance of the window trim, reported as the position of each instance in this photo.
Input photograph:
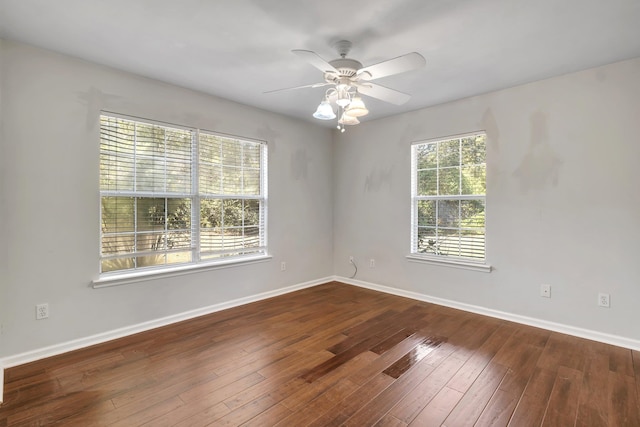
(448, 261)
(118, 277)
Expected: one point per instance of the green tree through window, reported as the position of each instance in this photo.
(161, 207)
(448, 197)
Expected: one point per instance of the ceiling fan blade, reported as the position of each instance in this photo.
(401, 64)
(383, 93)
(315, 60)
(299, 87)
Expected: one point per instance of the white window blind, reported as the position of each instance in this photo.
(159, 206)
(448, 190)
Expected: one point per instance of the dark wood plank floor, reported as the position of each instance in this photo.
(332, 355)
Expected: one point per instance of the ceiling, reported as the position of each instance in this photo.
(239, 49)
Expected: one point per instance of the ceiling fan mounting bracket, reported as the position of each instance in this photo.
(343, 47)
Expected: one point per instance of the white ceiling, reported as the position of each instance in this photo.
(239, 49)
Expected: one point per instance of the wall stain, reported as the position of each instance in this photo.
(95, 101)
(300, 164)
(378, 178)
(265, 133)
(541, 165)
(490, 126)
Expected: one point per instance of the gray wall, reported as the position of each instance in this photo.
(562, 199)
(50, 199)
(563, 203)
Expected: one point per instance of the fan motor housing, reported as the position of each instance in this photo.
(346, 66)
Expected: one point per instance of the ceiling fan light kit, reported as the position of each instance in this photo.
(349, 78)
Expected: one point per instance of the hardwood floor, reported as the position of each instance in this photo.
(332, 355)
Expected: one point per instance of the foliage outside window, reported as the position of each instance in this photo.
(448, 198)
(173, 196)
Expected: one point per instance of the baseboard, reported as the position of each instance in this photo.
(544, 324)
(54, 350)
(57, 349)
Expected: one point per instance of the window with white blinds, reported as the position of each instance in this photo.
(172, 195)
(448, 190)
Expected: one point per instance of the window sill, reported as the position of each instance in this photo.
(140, 276)
(465, 265)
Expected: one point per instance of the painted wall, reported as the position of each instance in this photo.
(563, 203)
(50, 199)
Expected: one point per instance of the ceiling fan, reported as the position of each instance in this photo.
(349, 78)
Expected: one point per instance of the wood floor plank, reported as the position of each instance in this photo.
(344, 409)
(563, 401)
(593, 406)
(371, 357)
(623, 400)
(408, 408)
(438, 408)
(472, 404)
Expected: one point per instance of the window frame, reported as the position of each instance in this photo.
(469, 263)
(194, 195)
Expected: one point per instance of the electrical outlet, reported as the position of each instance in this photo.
(42, 311)
(545, 291)
(283, 266)
(603, 300)
(372, 263)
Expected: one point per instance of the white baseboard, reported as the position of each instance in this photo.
(544, 324)
(57, 349)
(54, 350)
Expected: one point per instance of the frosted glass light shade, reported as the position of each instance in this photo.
(357, 108)
(324, 111)
(347, 119)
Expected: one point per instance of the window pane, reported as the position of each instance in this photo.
(150, 214)
(252, 155)
(427, 213)
(117, 214)
(233, 212)
(114, 244)
(474, 150)
(231, 152)
(231, 180)
(427, 183)
(149, 140)
(150, 174)
(151, 260)
(211, 239)
(251, 181)
(449, 241)
(449, 153)
(251, 237)
(448, 213)
(179, 214)
(251, 212)
(178, 176)
(210, 178)
(428, 241)
(146, 242)
(474, 180)
(179, 257)
(210, 213)
(472, 244)
(449, 181)
(472, 213)
(117, 264)
(426, 156)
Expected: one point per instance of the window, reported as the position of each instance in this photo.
(448, 188)
(174, 196)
